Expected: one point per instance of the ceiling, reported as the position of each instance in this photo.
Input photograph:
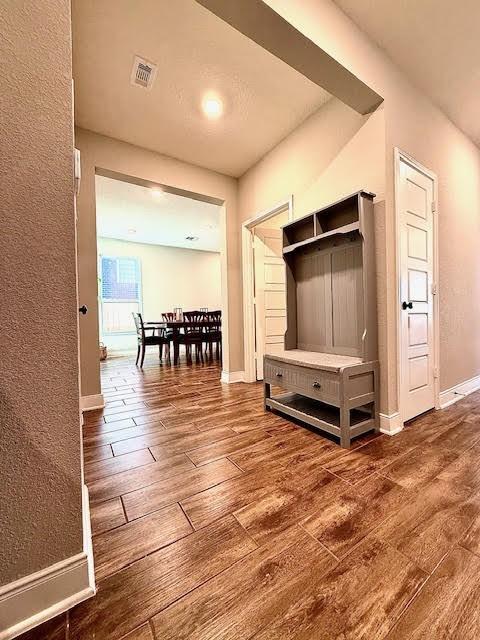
(130, 212)
(436, 43)
(196, 52)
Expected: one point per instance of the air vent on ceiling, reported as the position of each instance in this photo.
(143, 73)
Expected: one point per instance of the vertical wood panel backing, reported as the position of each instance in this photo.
(347, 299)
(331, 284)
(329, 299)
(314, 322)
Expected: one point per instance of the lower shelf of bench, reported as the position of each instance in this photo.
(320, 415)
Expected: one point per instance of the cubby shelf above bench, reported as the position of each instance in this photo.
(347, 228)
(341, 217)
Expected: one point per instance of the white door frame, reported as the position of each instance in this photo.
(248, 282)
(202, 197)
(399, 156)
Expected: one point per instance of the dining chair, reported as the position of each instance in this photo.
(158, 337)
(213, 333)
(193, 334)
(169, 316)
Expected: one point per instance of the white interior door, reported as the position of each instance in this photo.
(270, 299)
(416, 210)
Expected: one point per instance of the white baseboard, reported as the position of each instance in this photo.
(87, 538)
(391, 424)
(89, 403)
(36, 598)
(459, 391)
(230, 377)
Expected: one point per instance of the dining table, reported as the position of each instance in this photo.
(176, 326)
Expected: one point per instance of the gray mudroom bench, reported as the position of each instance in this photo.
(328, 371)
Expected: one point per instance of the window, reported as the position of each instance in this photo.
(120, 293)
(127, 270)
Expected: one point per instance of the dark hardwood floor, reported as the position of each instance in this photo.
(212, 519)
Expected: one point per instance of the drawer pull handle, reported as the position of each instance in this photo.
(316, 385)
(279, 375)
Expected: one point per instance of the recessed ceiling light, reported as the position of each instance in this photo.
(192, 238)
(156, 193)
(132, 231)
(212, 106)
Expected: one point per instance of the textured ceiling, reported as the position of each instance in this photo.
(264, 98)
(129, 212)
(436, 43)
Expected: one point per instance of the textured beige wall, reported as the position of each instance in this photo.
(419, 128)
(40, 477)
(196, 282)
(106, 153)
(331, 136)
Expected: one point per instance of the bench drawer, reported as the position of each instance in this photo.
(314, 383)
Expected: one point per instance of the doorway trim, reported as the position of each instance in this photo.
(400, 156)
(201, 197)
(248, 283)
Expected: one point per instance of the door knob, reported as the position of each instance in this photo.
(83, 309)
(407, 305)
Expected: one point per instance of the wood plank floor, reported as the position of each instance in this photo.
(213, 519)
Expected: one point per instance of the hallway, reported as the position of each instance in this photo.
(212, 519)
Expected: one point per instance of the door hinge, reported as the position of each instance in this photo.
(435, 372)
(434, 206)
(434, 288)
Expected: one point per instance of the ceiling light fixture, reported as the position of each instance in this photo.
(156, 193)
(192, 238)
(132, 231)
(212, 106)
